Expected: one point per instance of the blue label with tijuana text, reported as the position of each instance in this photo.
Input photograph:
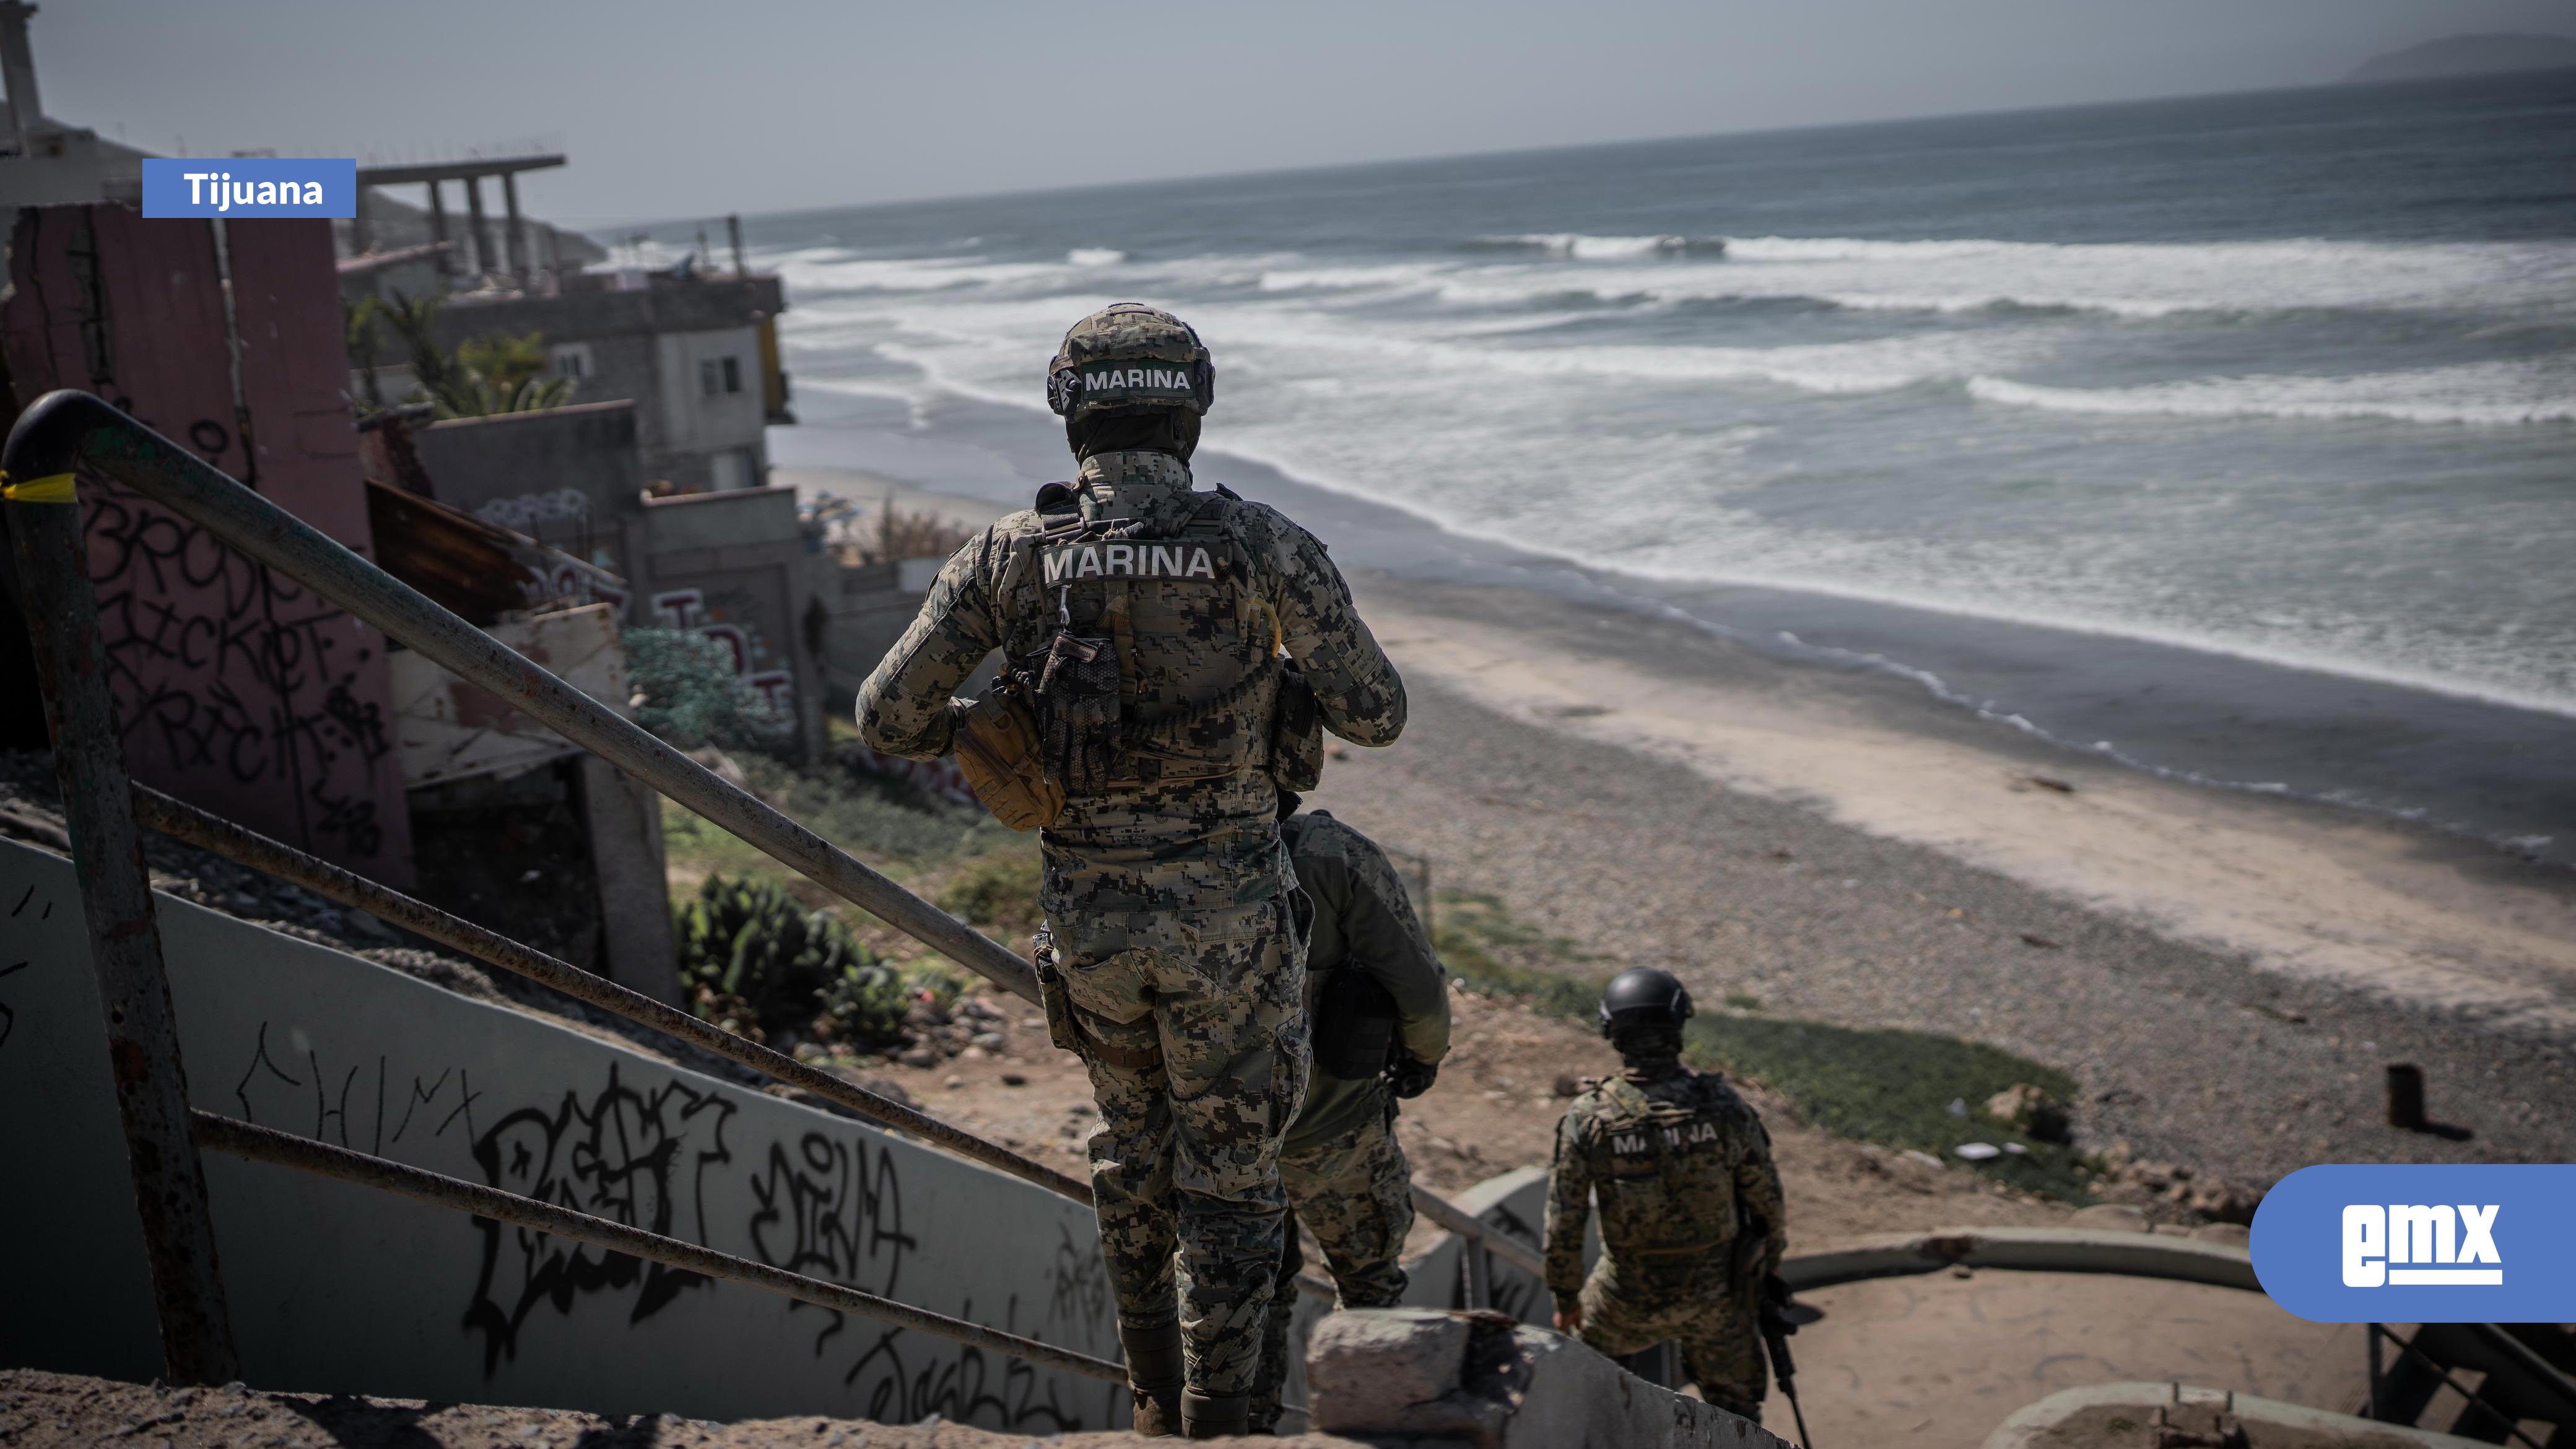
(257, 186)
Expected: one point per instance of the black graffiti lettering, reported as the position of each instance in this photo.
(227, 667)
(211, 439)
(465, 1095)
(625, 1154)
(8, 1016)
(259, 1059)
(420, 1098)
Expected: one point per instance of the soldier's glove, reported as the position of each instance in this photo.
(1408, 1078)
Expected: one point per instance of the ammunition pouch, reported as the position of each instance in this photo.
(1354, 1025)
(1077, 710)
(997, 749)
(1296, 734)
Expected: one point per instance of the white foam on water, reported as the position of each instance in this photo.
(1436, 386)
(1095, 257)
(2488, 394)
(1595, 248)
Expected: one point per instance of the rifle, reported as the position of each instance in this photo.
(1771, 1292)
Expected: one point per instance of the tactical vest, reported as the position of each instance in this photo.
(1150, 658)
(1664, 1171)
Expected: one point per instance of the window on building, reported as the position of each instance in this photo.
(719, 375)
(572, 360)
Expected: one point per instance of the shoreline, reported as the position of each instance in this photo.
(2498, 777)
(2226, 974)
(2309, 889)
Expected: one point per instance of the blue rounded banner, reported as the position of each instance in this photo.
(2421, 1244)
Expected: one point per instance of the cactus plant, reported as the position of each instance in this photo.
(753, 961)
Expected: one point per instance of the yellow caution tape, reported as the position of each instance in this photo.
(54, 489)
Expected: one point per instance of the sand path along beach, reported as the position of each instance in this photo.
(2227, 973)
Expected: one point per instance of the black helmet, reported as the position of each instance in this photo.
(1644, 996)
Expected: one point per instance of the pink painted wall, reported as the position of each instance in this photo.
(236, 690)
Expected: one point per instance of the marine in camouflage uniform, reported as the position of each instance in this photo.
(1671, 1155)
(1345, 1174)
(1172, 917)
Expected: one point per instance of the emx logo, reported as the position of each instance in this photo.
(2436, 1242)
(2420, 1244)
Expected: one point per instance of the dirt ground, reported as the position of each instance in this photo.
(1494, 1108)
(43, 1410)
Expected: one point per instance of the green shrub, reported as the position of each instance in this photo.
(690, 695)
(1895, 1087)
(755, 962)
(1888, 1085)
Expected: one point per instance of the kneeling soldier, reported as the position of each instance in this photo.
(1379, 1005)
(1676, 1160)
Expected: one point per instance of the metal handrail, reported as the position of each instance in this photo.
(69, 428)
(1477, 1231)
(266, 1144)
(2472, 1399)
(245, 847)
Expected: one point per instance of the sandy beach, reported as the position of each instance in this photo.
(2226, 973)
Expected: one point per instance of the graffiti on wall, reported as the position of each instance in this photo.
(9, 968)
(634, 1156)
(222, 668)
(688, 610)
(824, 1204)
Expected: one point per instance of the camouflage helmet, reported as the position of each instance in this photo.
(1129, 358)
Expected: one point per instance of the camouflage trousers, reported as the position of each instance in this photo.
(1354, 1192)
(1196, 1044)
(1691, 1301)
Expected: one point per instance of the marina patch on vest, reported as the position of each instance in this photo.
(1633, 1140)
(1073, 562)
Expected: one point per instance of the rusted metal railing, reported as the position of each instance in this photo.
(248, 848)
(125, 937)
(1482, 1237)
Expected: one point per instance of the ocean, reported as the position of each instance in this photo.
(2233, 437)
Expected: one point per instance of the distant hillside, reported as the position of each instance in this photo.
(2469, 55)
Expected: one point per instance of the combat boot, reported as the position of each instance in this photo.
(1154, 1375)
(1215, 1416)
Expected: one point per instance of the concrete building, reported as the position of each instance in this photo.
(737, 566)
(697, 355)
(571, 477)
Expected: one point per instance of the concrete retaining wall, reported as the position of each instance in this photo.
(336, 1288)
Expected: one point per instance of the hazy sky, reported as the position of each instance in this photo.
(675, 110)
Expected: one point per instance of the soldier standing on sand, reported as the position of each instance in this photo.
(1677, 1160)
(1173, 958)
(1379, 1006)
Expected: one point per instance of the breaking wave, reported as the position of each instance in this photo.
(2487, 394)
